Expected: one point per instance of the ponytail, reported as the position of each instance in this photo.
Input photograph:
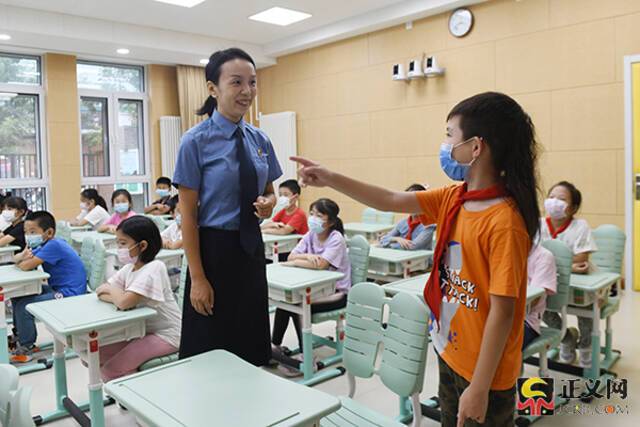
(338, 226)
(213, 70)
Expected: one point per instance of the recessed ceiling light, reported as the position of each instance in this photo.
(204, 61)
(5, 37)
(123, 51)
(280, 16)
(183, 3)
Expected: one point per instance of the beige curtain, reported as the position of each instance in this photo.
(192, 91)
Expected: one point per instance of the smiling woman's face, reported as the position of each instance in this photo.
(236, 88)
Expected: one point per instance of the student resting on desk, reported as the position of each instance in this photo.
(123, 208)
(541, 273)
(322, 248)
(93, 209)
(409, 234)
(172, 235)
(162, 205)
(60, 261)
(142, 282)
(561, 205)
(15, 209)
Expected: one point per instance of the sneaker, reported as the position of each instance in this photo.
(23, 354)
(584, 357)
(291, 372)
(568, 349)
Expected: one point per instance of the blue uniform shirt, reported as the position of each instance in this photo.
(64, 266)
(208, 162)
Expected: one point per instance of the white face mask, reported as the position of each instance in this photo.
(316, 225)
(556, 208)
(8, 215)
(84, 206)
(283, 202)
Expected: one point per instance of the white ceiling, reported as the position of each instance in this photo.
(163, 33)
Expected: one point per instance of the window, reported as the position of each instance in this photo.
(22, 153)
(113, 128)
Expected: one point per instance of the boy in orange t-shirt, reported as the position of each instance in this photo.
(477, 289)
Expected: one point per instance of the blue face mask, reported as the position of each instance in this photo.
(179, 220)
(121, 207)
(454, 170)
(316, 225)
(162, 192)
(33, 240)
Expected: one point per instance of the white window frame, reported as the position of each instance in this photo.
(27, 89)
(114, 135)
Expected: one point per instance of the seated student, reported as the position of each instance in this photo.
(143, 281)
(93, 209)
(291, 219)
(123, 208)
(15, 209)
(172, 235)
(541, 273)
(561, 205)
(60, 261)
(322, 248)
(409, 234)
(163, 190)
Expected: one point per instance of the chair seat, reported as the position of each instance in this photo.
(612, 306)
(549, 338)
(354, 414)
(158, 361)
(326, 316)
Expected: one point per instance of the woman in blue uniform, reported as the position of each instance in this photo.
(224, 175)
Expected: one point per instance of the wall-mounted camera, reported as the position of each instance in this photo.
(415, 70)
(398, 72)
(431, 68)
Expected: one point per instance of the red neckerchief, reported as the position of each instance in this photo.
(554, 233)
(413, 223)
(432, 292)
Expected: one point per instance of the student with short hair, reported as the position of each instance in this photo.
(123, 209)
(67, 276)
(290, 219)
(14, 211)
(161, 206)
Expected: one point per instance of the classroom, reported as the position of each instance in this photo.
(319, 213)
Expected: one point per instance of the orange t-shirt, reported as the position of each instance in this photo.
(486, 255)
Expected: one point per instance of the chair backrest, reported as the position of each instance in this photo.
(86, 254)
(14, 400)
(370, 216)
(8, 384)
(610, 240)
(359, 256)
(386, 218)
(158, 221)
(63, 231)
(404, 339)
(564, 260)
(19, 413)
(183, 281)
(98, 265)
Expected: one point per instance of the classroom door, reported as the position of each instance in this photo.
(633, 168)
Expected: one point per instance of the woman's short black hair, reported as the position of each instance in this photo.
(141, 228)
(121, 192)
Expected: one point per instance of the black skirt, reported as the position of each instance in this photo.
(240, 320)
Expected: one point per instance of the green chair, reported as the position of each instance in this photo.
(14, 400)
(550, 337)
(609, 256)
(359, 257)
(158, 221)
(386, 218)
(404, 343)
(86, 254)
(63, 231)
(163, 360)
(98, 265)
(370, 216)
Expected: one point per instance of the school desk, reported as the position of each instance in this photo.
(73, 228)
(294, 289)
(387, 264)
(218, 388)
(371, 232)
(276, 244)
(7, 252)
(108, 239)
(85, 323)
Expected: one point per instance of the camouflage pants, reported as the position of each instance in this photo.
(502, 403)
